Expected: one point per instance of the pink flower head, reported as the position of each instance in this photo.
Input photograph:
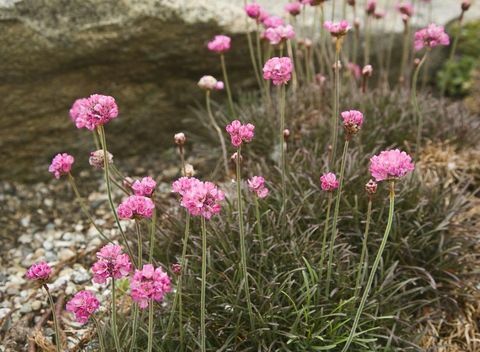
(144, 187)
(219, 85)
(136, 207)
(202, 199)
(112, 262)
(337, 29)
(390, 164)
(184, 184)
(466, 5)
(61, 165)
(257, 185)
(83, 305)
(94, 111)
(253, 10)
(405, 8)
(354, 69)
(272, 22)
(352, 121)
(276, 35)
(149, 284)
(240, 133)
(329, 182)
(431, 37)
(220, 44)
(371, 6)
(39, 272)
(278, 70)
(293, 8)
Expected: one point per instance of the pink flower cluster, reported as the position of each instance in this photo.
(337, 29)
(278, 70)
(83, 305)
(199, 198)
(431, 37)
(149, 284)
(253, 10)
(371, 6)
(390, 164)
(39, 271)
(136, 207)
(220, 44)
(329, 182)
(144, 187)
(61, 165)
(352, 121)
(293, 8)
(272, 21)
(257, 185)
(405, 9)
(93, 111)
(112, 262)
(276, 35)
(210, 83)
(240, 133)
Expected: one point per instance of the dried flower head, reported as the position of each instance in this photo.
(367, 71)
(189, 170)
(83, 305)
(179, 138)
(210, 83)
(96, 159)
(61, 165)
(371, 187)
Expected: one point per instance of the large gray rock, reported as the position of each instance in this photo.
(146, 53)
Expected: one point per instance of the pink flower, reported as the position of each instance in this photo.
(352, 121)
(136, 207)
(257, 185)
(220, 44)
(202, 199)
(112, 262)
(405, 9)
(337, 29)
(253, 10)
(390, 164)
(354, 70)
(219, 85)
(83, 305)
(329, 182)
(431, 37)
(94, 111)
(144, 187)
(184, 184)
(272, 22)
(209, 83)
(61, 165)
(149, 284)
(240, 133)
(275, 35)
(371, 6)
(278, 70)
(39, 271)
(293, 8)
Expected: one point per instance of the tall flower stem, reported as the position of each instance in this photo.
(218, 130)
(451, 55)
(227, 85)
(366, 48)
(405, 53)
(204, 285)
(294, 71)
(135, 314)
(252, 55)
(84, 208)
(418, 113)
(58, 342)
(150, 326)
(152, 233)
(114, 318)
(101, 342)
(374, 267)
(363, 264)
(333, 235)
(106, 169)
(177, 299)
(282, 144)
(181, 150)
(243, 251)
(336, 99)
(324, 236)
(259, 226)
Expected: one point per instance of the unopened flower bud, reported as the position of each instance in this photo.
(176, 269)
(371, 187)
(367, 71)
(405, 19)
(286, 134)
(189, 170)
(351, 2)
(233, 158)
(356, 23)
(208, 83)
(466, 5)
(337, 65)
(96, 159)
(416, 62)
(179, 138)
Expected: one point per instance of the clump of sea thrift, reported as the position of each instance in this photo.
(278, 70)
(352, 122)
(93, 111)
(97, 158)
(430, 37)
(39, 272)
(61, 165)
(144, 187)
(83, 305)
(337, 29)
(210, 83)
(257, 185)
(390, 165)
(136, 207)
(149, 284)
(240, 133)
(329, 182)
(111, 263)
(220, 44)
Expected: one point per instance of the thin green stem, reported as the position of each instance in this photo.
(218, 130)
(282, 145)
(333, 235)
(243, 250)
(139, 244)
(405, 53)
(418, 113)
(324, 236)
(252, 55)
(363, 264)
(134, 327)
(58, 342)
(106, 168)
(114, 318)
(259, 226)
(150, 326)
(227, 85)
(101, 342)
(374, 268)
(204, 285)
(336, 101)
(366, 52)
(152, 233)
